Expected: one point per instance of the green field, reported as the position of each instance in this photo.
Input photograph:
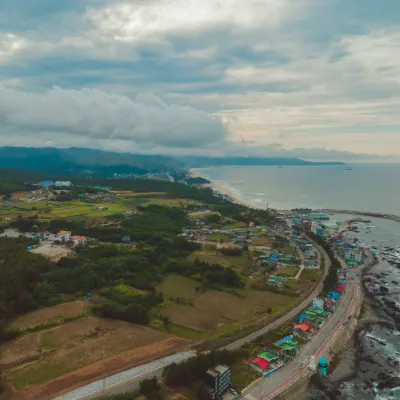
(310, 274)
(288, 270)
(214, 257)
(177, 286)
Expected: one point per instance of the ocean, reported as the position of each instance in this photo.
(373, 355)
(363, 188)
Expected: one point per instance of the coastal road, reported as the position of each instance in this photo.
(319, 345)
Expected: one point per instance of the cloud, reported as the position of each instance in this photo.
(9, 45)
(146, 120)
(306, 74)
(132, 22)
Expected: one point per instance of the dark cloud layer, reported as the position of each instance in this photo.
(99, 115)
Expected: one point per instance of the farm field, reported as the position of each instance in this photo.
(215, 311)
(91, 347)
(176, 286)
(214, 257)
(49, 314)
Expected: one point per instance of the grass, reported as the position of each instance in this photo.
(174, 286)
(36, 375)
(237, 329)
(212, 257)
(288, 270)
(242, 375)
(217, 238)
(186, 333)
(310, 274)
(128, 291)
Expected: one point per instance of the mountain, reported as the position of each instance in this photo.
(79, 161)
(201, 161)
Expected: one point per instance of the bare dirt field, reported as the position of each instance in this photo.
(20, 195)
(47, 314)
(19, 349)
(54, 253)
(91, 347)
(261, 241)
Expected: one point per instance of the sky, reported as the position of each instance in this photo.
(318, 79)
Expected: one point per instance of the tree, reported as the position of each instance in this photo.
(151, 389)
(35, 229)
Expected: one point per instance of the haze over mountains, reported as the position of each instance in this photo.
(80, 161)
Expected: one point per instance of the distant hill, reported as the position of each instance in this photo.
(84, 162)
(200, 161)
(80, 162)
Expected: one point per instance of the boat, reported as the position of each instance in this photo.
(349, 169)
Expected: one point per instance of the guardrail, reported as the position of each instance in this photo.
(124, 378)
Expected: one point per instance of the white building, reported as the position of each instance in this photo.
(79, 240)
(63, 184)
(354, 254)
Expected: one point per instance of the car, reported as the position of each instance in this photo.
(233, 391)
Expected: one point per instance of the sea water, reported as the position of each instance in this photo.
(363, 188)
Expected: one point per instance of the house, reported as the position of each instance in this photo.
(64, 235)
(259, 364)
(276, 281)
(79, 240)
(354, 254)
(269, 355)
(318, 303)
(251, 224)
(303, 330)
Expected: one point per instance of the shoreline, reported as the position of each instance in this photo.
(222, 190)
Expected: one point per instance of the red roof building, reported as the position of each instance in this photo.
(260, 363)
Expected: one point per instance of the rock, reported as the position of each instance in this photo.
(389, 383)
(383, 289)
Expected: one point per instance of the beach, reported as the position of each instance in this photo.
(222, 189)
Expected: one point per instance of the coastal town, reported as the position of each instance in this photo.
(281, 262)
